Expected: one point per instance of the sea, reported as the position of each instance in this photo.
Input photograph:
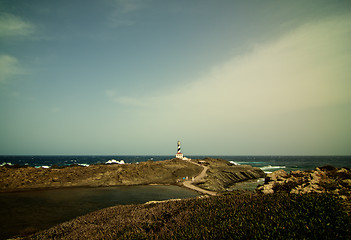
(267, 163)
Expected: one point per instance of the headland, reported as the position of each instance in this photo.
(220, 174)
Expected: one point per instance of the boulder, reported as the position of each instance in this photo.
(267, 189)
(279, 175)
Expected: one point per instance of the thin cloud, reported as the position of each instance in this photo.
(12, 26)
(306, 68)
(127, 6)
(9, 67)
(124, 100)
(284, 89)
(121, 16)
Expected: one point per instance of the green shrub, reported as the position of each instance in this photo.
(234, 216)
(330, 185)
(285, 187)
(278, 216)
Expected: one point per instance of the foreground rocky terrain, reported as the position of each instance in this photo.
(325, 179)
(221, 174)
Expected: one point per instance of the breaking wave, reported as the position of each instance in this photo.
(270, 168)
(235, 163)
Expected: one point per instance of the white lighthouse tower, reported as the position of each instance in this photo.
(179, 154)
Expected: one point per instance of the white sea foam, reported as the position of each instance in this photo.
(83, 164)
(42, 167)
(6, 163)
(114, 161)
(235, 163)
(270, 168)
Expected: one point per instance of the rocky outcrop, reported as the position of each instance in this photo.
(222, 174)
(324, 179)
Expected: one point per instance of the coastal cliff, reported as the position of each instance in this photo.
(220, 175)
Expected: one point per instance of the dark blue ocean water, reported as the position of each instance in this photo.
(266, 163)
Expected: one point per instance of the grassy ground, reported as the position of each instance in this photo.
(150, 172)
(233, 216)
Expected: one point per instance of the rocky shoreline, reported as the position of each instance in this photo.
(221, 174)
(326, 179)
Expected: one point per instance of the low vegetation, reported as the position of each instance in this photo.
(232, 216)
(220, 176)
(14, 178)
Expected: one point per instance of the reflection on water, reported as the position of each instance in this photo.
(248, 185)
(26, 212)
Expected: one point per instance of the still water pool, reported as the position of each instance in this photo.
(25, 212)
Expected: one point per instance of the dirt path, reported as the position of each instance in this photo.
(198, 178)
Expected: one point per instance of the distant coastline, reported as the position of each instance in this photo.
(266, 163)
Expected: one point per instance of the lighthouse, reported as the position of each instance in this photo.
(179, 154)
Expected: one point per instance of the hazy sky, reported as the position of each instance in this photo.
(225, 77)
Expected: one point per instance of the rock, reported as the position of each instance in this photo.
(298, 173)
(323, 179)
(290, 179)
(267, 189)
(343, 173)
(327, 168)
(347, 182)
(316, 177)
(279, 175)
